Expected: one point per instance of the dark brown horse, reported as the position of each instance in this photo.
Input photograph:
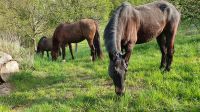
(76, 32)
(131, 25)
(45, 44)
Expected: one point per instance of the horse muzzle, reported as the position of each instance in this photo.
(119, 91)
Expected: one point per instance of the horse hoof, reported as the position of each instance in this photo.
(162, 66)
(167, 69)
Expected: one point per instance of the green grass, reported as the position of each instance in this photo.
(82, 85)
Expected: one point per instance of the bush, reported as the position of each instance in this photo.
(11, 44)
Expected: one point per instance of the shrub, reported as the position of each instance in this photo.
(11, 44)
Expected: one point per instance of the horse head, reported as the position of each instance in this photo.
(117, 71)
(54, 55)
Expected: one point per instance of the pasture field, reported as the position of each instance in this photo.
(82, 85)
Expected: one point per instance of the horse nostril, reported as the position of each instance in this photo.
(119, 91)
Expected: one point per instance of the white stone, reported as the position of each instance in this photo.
(4, 58)
(8, 66)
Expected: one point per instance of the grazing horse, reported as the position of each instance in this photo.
(76, 32)
(45, 44)
(132, 25)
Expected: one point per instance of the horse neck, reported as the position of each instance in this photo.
(112, 39)
(121, 17)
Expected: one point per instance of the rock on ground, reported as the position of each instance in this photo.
(6, 89)
(8, 66)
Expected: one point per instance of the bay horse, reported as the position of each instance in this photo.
(45, 44)
(132, 25)
(74, 33)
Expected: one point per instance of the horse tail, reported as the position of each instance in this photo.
(96, 42)
(39, 43)
(55, 43)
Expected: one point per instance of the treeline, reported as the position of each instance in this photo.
(31, 19)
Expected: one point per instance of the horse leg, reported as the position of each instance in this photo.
(42, 53)
(90, 43)
(161, 40)
(128, 51)
(129, 46)
(70, 48)
(76, 47)
(48, 54)
(59, 52)
(170, 37)
(63, 52)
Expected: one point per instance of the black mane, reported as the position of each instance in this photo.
(111, 30)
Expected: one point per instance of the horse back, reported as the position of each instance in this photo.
(88, 27)
(68, 33)
(76, 32)
(154, 19)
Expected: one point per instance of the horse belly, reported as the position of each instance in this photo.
(76, 39)
(144, 38)
(147, 35)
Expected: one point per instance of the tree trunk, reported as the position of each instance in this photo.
(35, 44)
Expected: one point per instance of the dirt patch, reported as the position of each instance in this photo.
(6, 89)
(140, 85)
(107, 84)
(86, 77)
(69, 95)
(135, 88)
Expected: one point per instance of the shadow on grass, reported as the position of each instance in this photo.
(25, 81)
(27, 86)
(83, 102)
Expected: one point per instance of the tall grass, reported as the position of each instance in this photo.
(11, 44)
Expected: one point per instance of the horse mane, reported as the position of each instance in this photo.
(110, 33)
